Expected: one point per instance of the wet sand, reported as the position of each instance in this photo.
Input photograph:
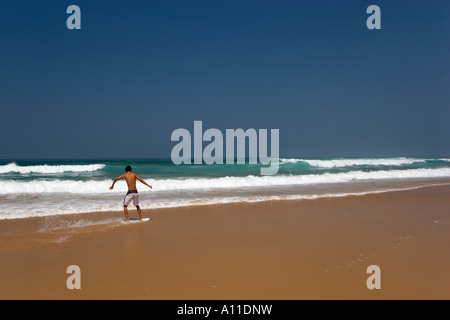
(307, 249)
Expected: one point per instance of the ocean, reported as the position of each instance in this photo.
(60, 187)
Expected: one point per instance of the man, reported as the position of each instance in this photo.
(132, 194)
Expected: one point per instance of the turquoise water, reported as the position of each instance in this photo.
(49, 187)
(164, 168)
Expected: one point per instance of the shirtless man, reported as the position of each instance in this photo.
(132, 194)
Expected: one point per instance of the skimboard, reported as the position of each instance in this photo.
(136, 221)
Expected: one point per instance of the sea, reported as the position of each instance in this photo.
(34, 188)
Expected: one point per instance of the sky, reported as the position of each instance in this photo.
(138, 70)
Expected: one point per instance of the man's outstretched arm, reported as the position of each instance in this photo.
(115, 180)
(137, 177)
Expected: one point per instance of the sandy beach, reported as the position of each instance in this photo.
(308, 249)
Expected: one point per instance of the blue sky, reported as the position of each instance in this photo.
(137, 70)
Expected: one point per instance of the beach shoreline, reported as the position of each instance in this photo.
(293, 249)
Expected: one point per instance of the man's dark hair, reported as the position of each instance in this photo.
(128, 169)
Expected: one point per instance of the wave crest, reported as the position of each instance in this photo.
(101, 187)
(342, 163)
(47, 169)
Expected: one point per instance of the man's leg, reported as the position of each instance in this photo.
(125, 210)
(140, 212)
(136, 203)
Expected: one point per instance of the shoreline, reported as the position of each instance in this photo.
(290, 249)
(249, 200)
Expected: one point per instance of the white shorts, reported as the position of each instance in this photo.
(131, 197)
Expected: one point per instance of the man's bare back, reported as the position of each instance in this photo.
(130, 178)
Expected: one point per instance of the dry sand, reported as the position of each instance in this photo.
(309, 249)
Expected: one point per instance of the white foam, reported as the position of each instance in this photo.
(102, 187)
(184, 203)
(340, 163)
(47, 169)
(57, 224)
